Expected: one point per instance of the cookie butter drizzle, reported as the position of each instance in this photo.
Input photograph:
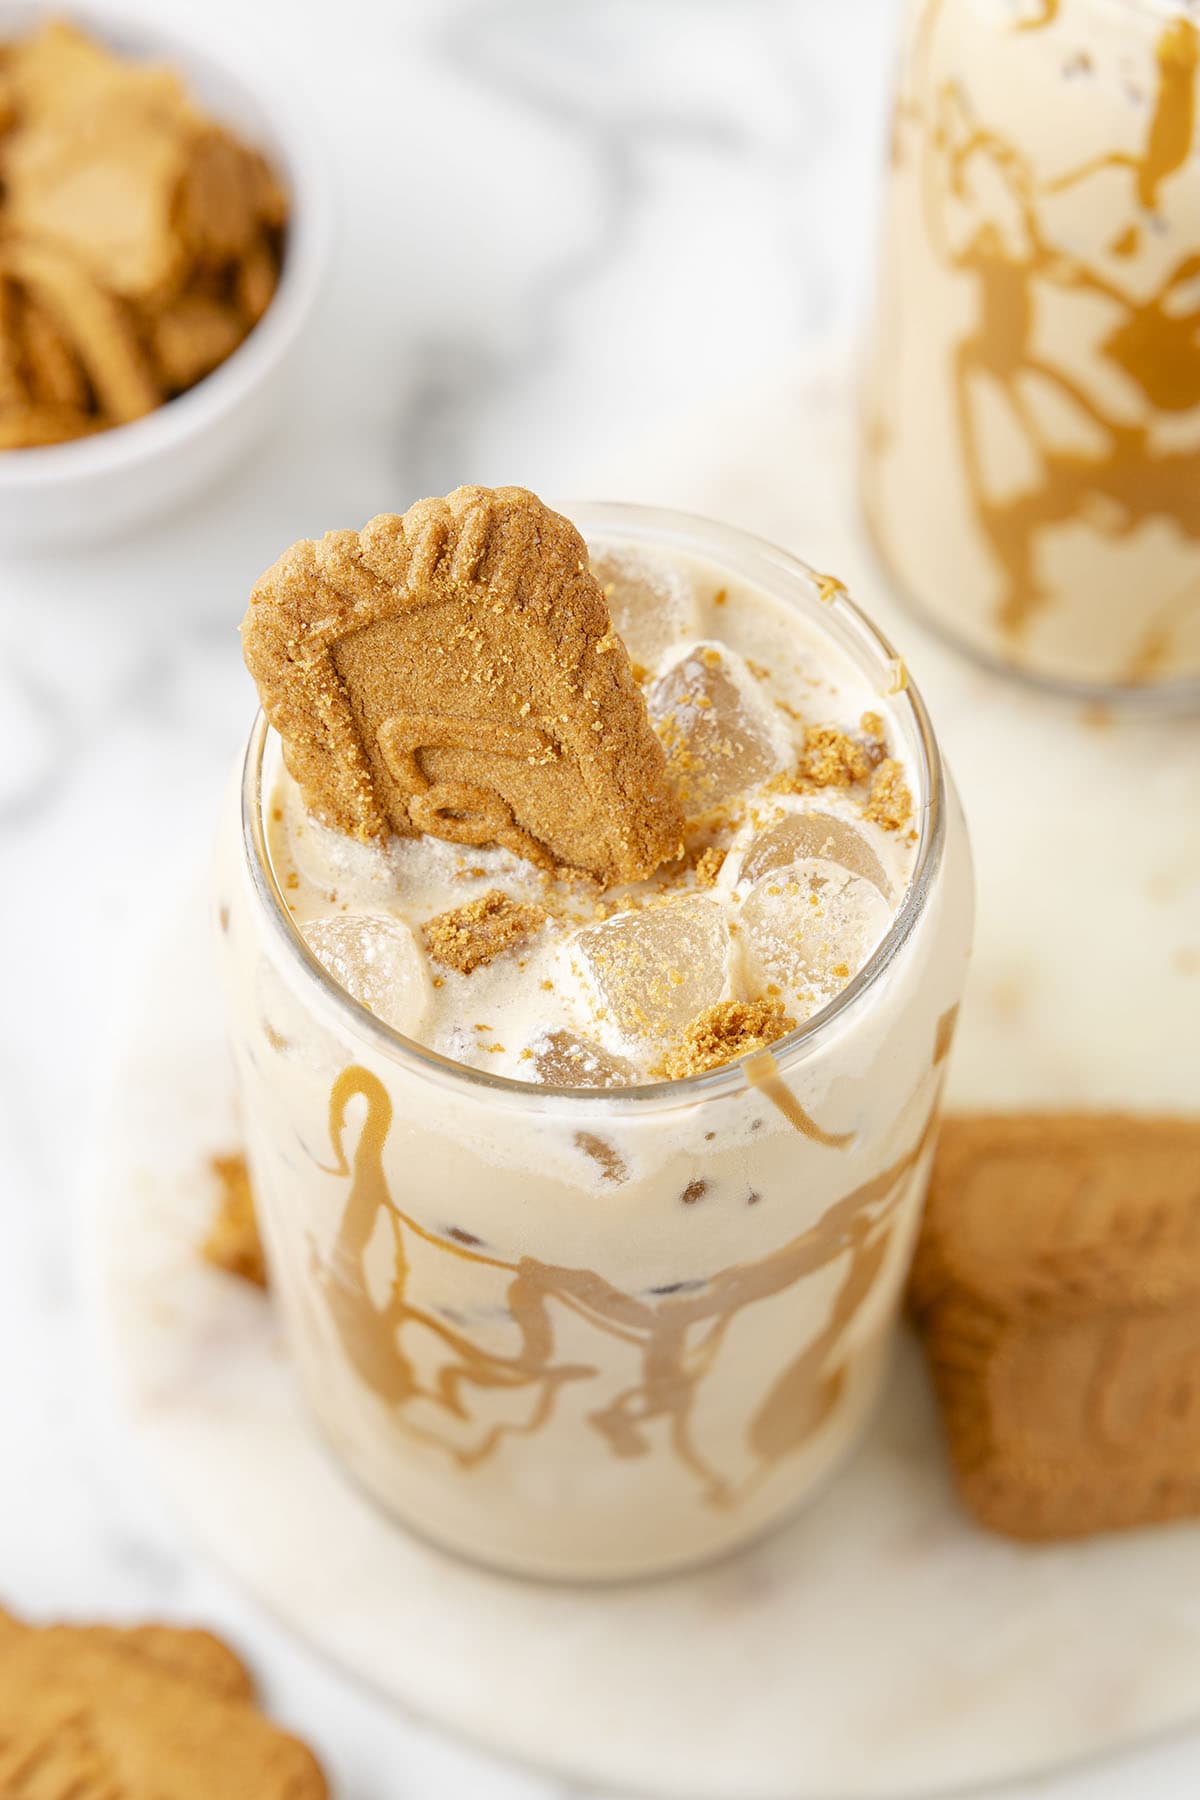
(763, 1071)
(678, 1337)
(1047, 16)
(1153, 344)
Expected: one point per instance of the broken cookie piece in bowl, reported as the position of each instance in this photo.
(163, 231)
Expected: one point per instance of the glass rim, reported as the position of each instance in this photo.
(1161, 10)
(1154, 9)
(871, 652)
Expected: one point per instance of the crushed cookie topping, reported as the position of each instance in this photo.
(708, 866)
(467, 937)
(890, 802)
(832, 758)
(724, 1032)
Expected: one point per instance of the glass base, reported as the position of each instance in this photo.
(1168, 697)
(617, 1565)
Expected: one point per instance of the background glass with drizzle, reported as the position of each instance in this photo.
(1031, 417)
(597, 1334)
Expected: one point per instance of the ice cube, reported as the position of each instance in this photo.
(808, 928)
(652, 605)
(378, 961)
(564, 1059)
(290, 1028)
(715, 726)
(651, 971)
(805, 834)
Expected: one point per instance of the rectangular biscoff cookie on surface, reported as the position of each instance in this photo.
(134, 1716)
(1057, 1291)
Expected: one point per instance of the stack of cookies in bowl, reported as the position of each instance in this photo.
(163, 228)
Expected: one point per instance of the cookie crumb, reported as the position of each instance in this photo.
(708, 866)
(890, 803)
(233, 1243)
(612, 1163)
(829, 588)
(723, 1032)
(832, 758)
(469, 936)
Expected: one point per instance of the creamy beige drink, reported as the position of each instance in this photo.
(590, 1204)
(1031, 431)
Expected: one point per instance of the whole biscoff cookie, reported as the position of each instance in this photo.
(1057, 1290)
(137, 1716)
(193, 1654)
(455, 672)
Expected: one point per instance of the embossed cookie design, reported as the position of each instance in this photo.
(1057, 1288)
(455, 672)
(138, 1713)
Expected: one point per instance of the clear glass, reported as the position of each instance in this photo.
(1030, 452)
(597, 1334)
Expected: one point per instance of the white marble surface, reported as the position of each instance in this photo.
(564, 224)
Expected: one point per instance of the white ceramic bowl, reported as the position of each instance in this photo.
(97, 486)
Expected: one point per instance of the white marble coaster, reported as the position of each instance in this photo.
(879, 1647)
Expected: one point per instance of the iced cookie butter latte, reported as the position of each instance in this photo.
(594, 920)
(1031, 450)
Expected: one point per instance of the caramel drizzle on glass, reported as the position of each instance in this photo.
(1155, 343)
(678, 1337)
